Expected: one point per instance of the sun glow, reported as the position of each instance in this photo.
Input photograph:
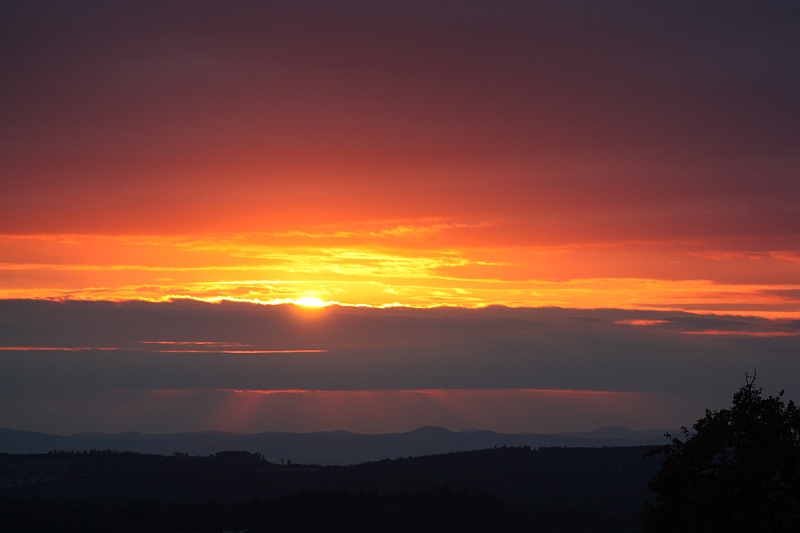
(310, 301)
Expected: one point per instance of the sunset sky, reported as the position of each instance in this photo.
(521, 216)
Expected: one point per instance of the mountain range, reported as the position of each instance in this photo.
(321, 448)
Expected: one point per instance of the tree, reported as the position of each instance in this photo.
(739, 470)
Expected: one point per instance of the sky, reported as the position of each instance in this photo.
(375, 216)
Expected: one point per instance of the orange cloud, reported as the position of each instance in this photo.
(242, 351)
(764, 334)
(413, 265)
(54, 348)
(641, 322)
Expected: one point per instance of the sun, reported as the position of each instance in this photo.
(310, 301)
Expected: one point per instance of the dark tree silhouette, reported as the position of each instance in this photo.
(739, 470)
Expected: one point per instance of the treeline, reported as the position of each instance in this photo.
(504, 489)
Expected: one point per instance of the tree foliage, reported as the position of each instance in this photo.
(739, 470)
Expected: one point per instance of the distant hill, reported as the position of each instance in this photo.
(505, 489)
(322, 448)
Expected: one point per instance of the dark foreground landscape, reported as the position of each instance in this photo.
(499, 489)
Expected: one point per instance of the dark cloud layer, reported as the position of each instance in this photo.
(161, 367)
(365, 349)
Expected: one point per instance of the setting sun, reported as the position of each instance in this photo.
(310, 301)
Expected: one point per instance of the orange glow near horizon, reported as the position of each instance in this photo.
(395, 266)
(373, 411)
(384, 411)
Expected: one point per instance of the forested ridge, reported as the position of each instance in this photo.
(502, 489)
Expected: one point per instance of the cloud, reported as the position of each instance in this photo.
(477, 271)
(75, 366)
(641, 322)
(252, 347)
